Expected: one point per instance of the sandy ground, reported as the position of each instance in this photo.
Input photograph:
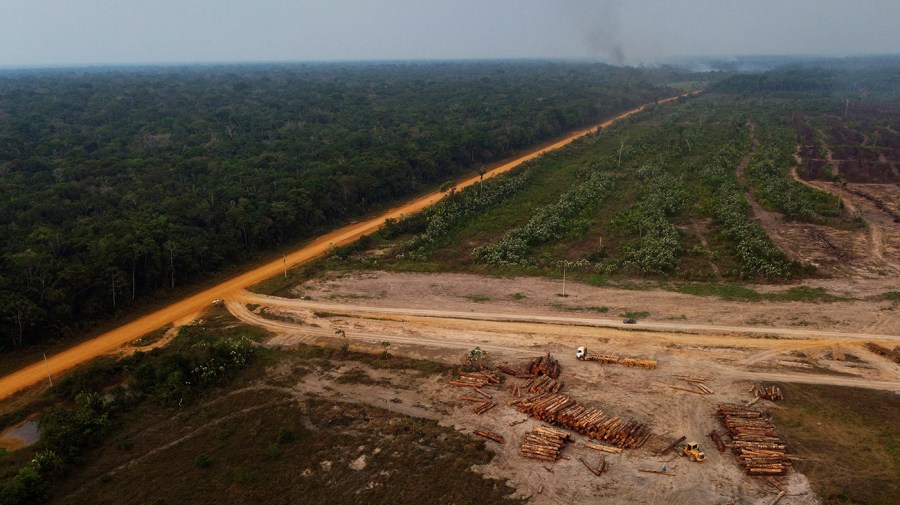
(442, 316)
(736, 362)
(540, 296)
(718, 480)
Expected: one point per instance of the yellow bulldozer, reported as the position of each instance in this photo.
(693, 452)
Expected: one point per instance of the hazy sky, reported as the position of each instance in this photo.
(71, 32)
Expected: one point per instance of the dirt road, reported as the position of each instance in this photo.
(454, 333)
(831, 336)
(108, 341)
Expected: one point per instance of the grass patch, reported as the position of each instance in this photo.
(319, 355)
(805, 294)
(478, 298)
(728, 291)
(848, 439)
(723, 291)
(518, 296)
(893, 296)
(358, 376)
(602, 309)
(638, 314)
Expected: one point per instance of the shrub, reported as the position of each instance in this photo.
(202, 461)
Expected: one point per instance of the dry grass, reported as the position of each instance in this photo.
(849, 440)
(264, 445)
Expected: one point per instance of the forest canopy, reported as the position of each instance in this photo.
(122, 183)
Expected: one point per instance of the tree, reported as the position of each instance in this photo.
(475, 359)
(21, 312)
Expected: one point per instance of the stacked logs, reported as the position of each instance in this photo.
(649, 364)
(544, 365)
(772, 392)
(606, 359)
(544, 443)
(542, 384)
(760, 450)
(562, 410)
(475, 379)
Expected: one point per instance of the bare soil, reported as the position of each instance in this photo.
(470, 314)
(538, 295)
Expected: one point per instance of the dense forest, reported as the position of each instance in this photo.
(120, 184)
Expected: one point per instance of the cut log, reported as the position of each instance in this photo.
(490, 435)
(482, 393)
(604, 448)
(647, 470)
(595, 471)
(672, 445)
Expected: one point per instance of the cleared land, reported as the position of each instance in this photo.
(735, 362)
(806, 336)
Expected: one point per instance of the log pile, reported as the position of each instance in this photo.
(544, 365)
(771, 393)
(490, 435)
(512, 371)
(563, 411)
(649, 364)
(758, 447)
(475, 379)
(883, 351)
(604, 448)
(544, 443)
(606, 359)
(542, 384)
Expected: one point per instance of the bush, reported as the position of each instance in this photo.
(202, 461)
(286, 436)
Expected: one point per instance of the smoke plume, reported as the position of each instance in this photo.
(597, 21)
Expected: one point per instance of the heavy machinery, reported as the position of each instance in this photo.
(582, 354)
(693, 452)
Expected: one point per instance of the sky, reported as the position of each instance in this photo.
(35, 33)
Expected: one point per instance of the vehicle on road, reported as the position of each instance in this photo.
(630, 320)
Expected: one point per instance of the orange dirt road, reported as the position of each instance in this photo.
(118, 337)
